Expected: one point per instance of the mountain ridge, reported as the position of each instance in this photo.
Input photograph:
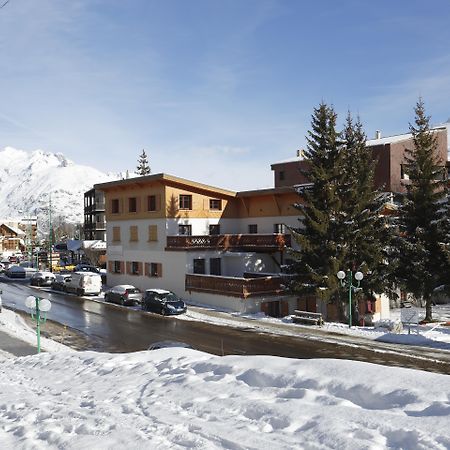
(28, 180)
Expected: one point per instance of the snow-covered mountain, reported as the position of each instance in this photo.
(27, 179)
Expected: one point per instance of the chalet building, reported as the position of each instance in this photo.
(391, 173)
(94, 215)
(12, 239)
(209, 245)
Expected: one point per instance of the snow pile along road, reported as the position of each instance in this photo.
(181, 398)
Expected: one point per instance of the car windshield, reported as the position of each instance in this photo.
(168, 297)
(133, 291)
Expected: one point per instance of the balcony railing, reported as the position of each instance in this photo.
(229, 241)
(95, 226)
(235, 287)
(95, 207)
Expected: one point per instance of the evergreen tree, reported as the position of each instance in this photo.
(366, 232)
(143, 168)
(423, 245)
(340, 225)
(318, 235)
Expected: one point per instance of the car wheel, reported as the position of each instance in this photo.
(106, 298)
(80, 292)
(122, 301)
(164, 311)
(38, 283)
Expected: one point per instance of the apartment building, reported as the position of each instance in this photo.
(391, 171)
(209, 245)
(94, 215)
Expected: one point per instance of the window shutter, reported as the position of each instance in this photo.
(133, 233)
(138, 204)
(129, 267)
(159, 269)
(121, 205)
(139, 268)
(152, 233)
(158, 201)
(147, 269)
(116, 234)
(122, 267)
(110, 266)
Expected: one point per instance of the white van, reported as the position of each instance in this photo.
(82, 283)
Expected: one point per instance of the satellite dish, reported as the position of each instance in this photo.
(45, 305)
(30, 302)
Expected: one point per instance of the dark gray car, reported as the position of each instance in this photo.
(59, 283)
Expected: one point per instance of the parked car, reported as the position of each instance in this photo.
(82, 283)
(60, 281)
(124, 294)
(169, 344)
(15, 272)
(42, 279)
(163, 302)
(86, 268)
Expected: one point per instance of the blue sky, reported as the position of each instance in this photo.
(215, 91)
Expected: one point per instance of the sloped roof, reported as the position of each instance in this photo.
(165, 179)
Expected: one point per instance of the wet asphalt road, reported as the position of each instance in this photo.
(111, 328)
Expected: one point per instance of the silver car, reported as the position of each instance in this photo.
(124, 294)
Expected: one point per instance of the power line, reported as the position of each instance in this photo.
(4, 4)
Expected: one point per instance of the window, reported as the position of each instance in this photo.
(199, 265)
(154, 270)
(253, 228)
(152, 233)
(404, 172)
(116, 234)
(279, 228)
(281, 175)
(151, 203)
(215, 204)
(135, 268)
(134, 233)
(214, 229)
(117, 267)
(215, 266)
(115, 206)
(185, 201)
(185, 230)
(132, 204)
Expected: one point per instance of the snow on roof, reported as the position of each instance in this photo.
(14, 229)
(158, 291)
(294, 159)
(398, 137)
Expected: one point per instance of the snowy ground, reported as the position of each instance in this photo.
(181, 398)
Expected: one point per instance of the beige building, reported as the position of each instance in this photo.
(209, 245)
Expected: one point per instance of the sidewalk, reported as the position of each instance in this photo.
(15, 346)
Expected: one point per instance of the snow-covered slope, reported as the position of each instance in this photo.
(26, 179)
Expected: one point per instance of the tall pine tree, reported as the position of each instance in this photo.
(341, 227)
(365, 231)
(143, 168)
(318, 235)
(423, 243)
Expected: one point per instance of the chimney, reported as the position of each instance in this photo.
(298, 153)
(378, 134)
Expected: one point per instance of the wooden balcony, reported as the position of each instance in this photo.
(246, 242)
(235, 287)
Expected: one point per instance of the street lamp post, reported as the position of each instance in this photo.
(50, 254)
(37, 306)
(349, 283)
